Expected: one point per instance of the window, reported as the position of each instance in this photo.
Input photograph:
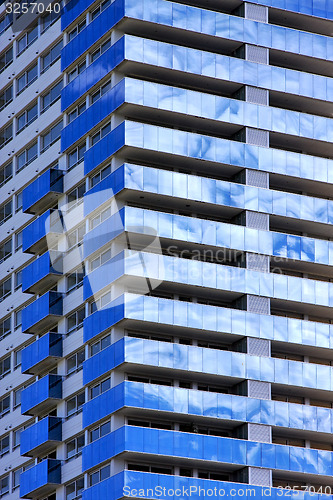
(76, 71)
(51, 497)
(51, 97)
(5, 328)
(75, 197)
(18, 202)
(150, 468)
(26, 118)
(76, 156)
(6, 173)
(74, 489)
(288, 441)
(49, 19)
(76, 111)
(100, 302)
(5, 288)
(16, 478)
(101, 217)
(52, 136)
(27, 39)
(4, 366)
(5, 250)
(75, 404)
(6, 135)
(4, 445)
(51, 56)
(5, 22)
(17, 436)
(5, 211)
(75, 280)
(101, 49)
(149, 380)
(6, 96)
(101, 387)
(18, 318)
(76, 30)
(75, 320)
(27, 79)
(4, 486)
(100, 344)
(100, 175)
(18, 241)
(18, 280)
(101, 133)
(17, 473)
(96, 12)
(4, 406)
(17, 358)
(18, 393)
(214, 476)
(100, 92)
(6, 59)
(75, 237)
(74, 447)
(75, 361)
(99, 475)
(17, 396)
(26, 157)
(100, 260)
(100, 431)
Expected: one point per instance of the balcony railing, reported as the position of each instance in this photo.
(42, 395)
(43, 313)
(41, 437)
(43, 273)
(40, 479)
(43, 354)
(43, 192)
(42, 232)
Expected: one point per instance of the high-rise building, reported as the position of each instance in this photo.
(166, 187)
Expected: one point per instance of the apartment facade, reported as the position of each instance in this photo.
(166, 250)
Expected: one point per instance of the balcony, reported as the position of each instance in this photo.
(41, 437)
(43, 354)
(43, 273)
(43, 313)
(43, 192)
(41, 396)
(41, 479)
(42, 233)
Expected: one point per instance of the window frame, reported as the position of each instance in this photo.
(28, 41)
(77, 325)
(52, 131)
(77, 150)
(49, 93)
(78, 364)
(6, 100)
(27, 81)
(33, 147)
(78, 406)
(49, 53)
(77, 448)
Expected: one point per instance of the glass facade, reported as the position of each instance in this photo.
(166, 327)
